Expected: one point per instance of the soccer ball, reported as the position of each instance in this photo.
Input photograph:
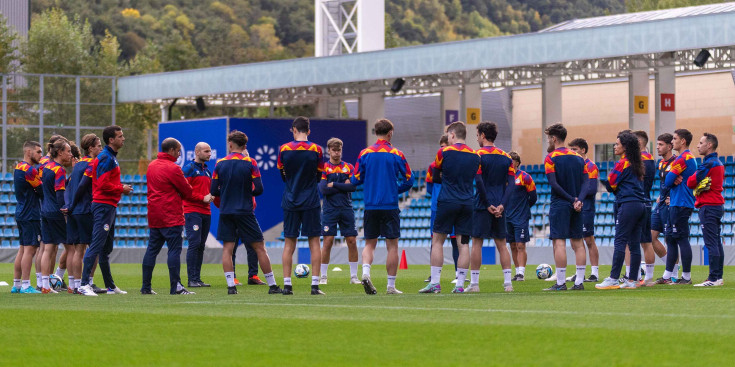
(55, 282)
(301, 271)
(544, 271)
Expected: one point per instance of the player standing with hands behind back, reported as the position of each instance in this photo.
(301, 163)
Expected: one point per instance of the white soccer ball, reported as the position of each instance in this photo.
(55, 282)
(544, 271)
(301, 271)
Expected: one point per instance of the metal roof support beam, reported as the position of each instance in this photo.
(638, 95)
(665, 100)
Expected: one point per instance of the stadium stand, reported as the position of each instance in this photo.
(132, 222)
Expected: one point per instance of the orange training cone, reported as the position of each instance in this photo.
(404, 263)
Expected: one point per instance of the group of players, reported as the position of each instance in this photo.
(476, 194)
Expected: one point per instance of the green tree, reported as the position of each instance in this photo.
(8, 55)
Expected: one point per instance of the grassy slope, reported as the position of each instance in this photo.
(666, 325)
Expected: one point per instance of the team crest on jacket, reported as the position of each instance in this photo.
(196, 227)
(518, 181)
(106, 227)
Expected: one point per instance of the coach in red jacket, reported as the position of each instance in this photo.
(167, 188)
(197, 212)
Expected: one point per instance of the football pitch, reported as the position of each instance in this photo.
(659, 326)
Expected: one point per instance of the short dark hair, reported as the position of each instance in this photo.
(458, 128)
(641, 135)
(238, 138)
(489, 130)
(89, 141)
(169, 144)
(515, 156)
(301, 124)
(383, 127)
(558, 130)
(75, 153)
(444, 140)
(666, 138)
(57, 147)
(684, 134)
(580, 143)
(110, 132)
(30, 144)
(712, 139)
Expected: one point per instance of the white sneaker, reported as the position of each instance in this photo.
(720, 282)
(552, 278)
(323, 280)
(709, 283)
(393, 290)
(86, 290)
(629, 284)
(355, 280)
(473, 288)
(116, 291)
(508, 287)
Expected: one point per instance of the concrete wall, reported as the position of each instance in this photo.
(597, 112)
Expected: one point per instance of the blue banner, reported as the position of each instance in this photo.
(265, 136)
(189, 133)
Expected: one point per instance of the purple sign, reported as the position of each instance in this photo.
(451, 116)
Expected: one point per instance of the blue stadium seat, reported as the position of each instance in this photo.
(7, 233)
(2, 221)
(11, 221)
(4, 199)
(7, 188)
(15, 244)
(16, 233)
(3, 209)
(5, 243)
(9, 177)
(127, 179)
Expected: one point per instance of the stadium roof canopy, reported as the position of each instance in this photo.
(578, 50)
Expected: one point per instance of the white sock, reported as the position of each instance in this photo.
(287, 281)
(595, 270)
(77, 283)
(353, 269)
(456, 273)
(436, 274)
(44, 282)
(39, 281)
(649, 271)
(60, 272)
(580, 274)
(461, 276)
(521, 270)
(270, 279)
(315, 280)
(25, 284)
(324, 269)
(561, 276)
(506, 276)
(474, 277)
(91, 280)
(667, 274)
(229, 276)
(16, 283)
(627, 271)
(675, 273)
(391, 281)
(71, 282)
(365, 270)
(686, 275)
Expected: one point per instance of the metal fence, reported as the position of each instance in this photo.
(36, 106)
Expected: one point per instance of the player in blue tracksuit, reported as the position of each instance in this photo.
(494, 179)
(681, 206)
(569, 180)
(28, 193)
(660, 215)
(581, 147)
(626, 182)
(518, 214)
(301, 163)
(337, 209)
(236, 181)
(458, 165)
(384, 171)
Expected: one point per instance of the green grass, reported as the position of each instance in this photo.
(664, 325)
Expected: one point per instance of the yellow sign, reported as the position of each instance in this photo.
(641, 104)
(473, 116)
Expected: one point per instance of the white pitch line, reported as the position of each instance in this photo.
(487, 310)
